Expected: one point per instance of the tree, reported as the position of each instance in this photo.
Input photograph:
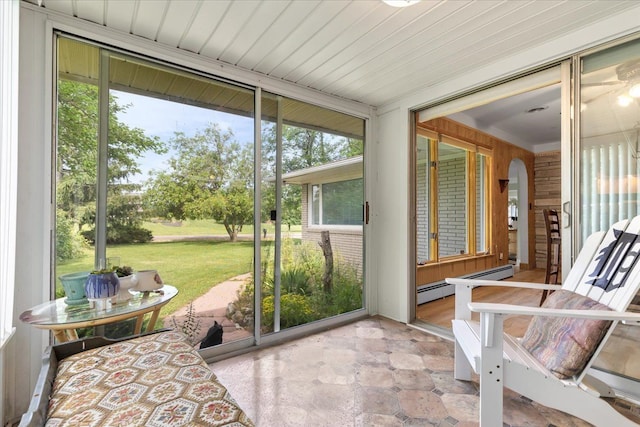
(301, 148)
(77, 146)
(210, 176)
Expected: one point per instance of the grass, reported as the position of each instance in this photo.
(192, 267)
(204, 228)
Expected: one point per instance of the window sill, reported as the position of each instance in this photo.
(344, 229)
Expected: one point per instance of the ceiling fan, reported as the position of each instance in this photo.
(627, 86)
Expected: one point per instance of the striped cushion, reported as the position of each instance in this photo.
(565, 345)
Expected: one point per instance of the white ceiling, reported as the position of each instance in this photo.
(362, 50)
(365, 50)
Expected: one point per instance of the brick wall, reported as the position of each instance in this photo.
(452, 210)
(547, 196)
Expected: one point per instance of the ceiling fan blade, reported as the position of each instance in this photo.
(601, 84)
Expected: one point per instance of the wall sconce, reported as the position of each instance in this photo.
(504, 183)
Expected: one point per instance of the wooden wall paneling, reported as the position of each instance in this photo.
(547, 196)
(503, 153)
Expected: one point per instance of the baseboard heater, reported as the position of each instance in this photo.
(437, 290)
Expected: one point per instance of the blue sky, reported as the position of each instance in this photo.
(163, 118)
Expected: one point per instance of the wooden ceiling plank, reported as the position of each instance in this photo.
(91, 11)
(304, 30)
(119, 15)
(151, 14)
(180, 15)
(255, 29)
(229, 29)
(278, 30)
(204, 24)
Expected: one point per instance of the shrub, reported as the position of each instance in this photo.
(294, 310)
(294, 281)
(303, 299)
(69, 243)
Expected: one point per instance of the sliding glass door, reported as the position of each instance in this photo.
(155, 170)
(312, 213)
(609, 174)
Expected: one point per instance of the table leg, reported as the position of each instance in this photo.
(138, 327)
(154, 318)
(60, 335)
(72, 334)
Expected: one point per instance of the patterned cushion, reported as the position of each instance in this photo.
(565, 345)
(153, 380)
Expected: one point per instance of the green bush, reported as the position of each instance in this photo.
(294, 281)
(294, 310)
(303, 298)
(69, 243)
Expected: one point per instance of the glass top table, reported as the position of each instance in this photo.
(63, 319)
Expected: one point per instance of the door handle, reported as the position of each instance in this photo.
(566, 214)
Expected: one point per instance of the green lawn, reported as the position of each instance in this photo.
(192, 267)
(203, 228)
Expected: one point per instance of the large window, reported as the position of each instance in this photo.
(452, 198)
(155, 171)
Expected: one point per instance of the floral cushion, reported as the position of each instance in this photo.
(153, 380)
(564, 345)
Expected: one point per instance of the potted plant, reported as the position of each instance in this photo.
(73, 285)
(101, 286)
(127, 281)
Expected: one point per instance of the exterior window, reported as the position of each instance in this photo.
(337, 203)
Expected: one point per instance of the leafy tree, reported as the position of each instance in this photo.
(301, 148)
(210, 176)
(78, 116)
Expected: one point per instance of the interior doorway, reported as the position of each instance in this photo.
(518, 224)
(508, 125)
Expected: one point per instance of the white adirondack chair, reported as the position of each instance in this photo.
(607, 271)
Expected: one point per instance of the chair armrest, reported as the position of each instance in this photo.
(464, 287)
(483, 307)
(471, 282)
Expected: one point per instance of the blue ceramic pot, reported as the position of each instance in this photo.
(73, 285)
(100, 286)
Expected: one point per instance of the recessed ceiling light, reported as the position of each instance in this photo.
(537, 109)
(400, 3)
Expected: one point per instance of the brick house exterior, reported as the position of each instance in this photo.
(346, 240)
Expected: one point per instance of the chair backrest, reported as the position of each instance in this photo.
(607, 269)
(552, 224)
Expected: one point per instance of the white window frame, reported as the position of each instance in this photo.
(322, 226)
(9, 21)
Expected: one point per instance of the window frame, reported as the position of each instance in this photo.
(310, 209)
(472, 204)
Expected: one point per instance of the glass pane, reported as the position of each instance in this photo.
(422, 200)
(452, 200)
(179, 186)
(342, 203)
(610, 168)
(315, 204)
(482, 203)
(76, 169)
(322, 192)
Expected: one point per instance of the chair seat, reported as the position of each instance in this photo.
(467, 333)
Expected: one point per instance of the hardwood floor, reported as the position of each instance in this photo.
(440, 312)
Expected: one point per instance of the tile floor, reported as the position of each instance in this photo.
(374, 372)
